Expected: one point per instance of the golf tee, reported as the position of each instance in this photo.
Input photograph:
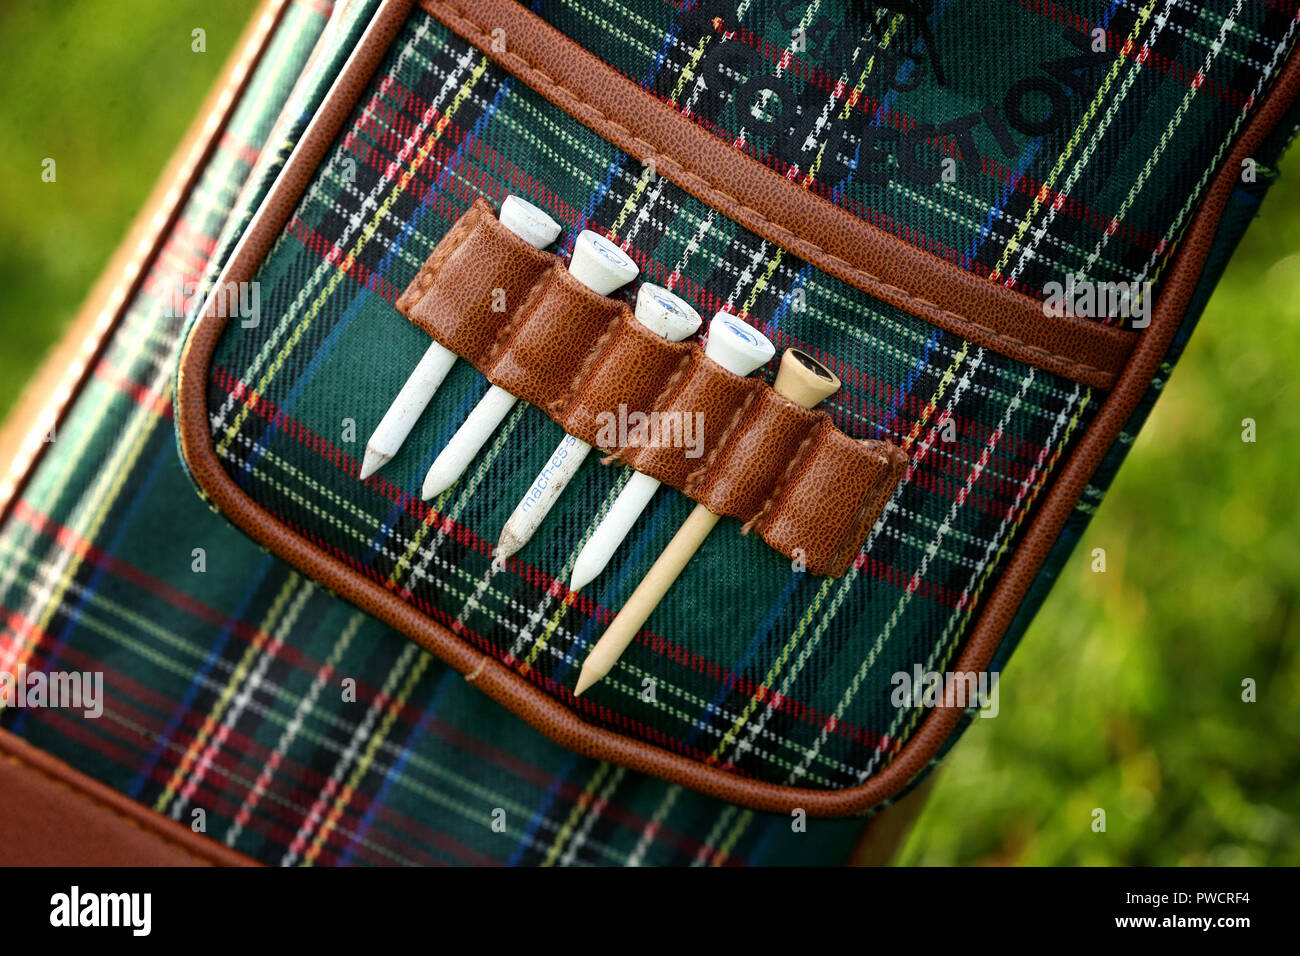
(801, 379)
(530, 224)
(599, 265)
(662, 313)
(737, 348)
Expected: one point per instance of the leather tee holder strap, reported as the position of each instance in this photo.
(787, 472)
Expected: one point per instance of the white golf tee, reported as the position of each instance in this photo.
(528, 223)
(662, 313)
(735, 346)
(599, 265)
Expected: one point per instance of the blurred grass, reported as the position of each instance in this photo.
(1126, 692)
(106, 88)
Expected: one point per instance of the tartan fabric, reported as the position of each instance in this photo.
(224, 687)
(1066, 158)
(758, 668)
(748, 664)
(1242, 207)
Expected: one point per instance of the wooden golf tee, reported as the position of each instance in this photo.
(804, 381)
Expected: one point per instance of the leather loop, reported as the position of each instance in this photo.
(551, 338)
(727, 441)
(496, 259)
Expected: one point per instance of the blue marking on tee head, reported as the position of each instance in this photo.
(670, 306)
(743, 332)
(610, 251)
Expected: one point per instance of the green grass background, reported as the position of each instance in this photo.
(106, 88)
(1125, 695)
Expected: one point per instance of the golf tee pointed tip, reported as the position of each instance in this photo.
(587, 678)
(436, 482)
(607, 651)
(640, 605)
(584, 572)
(507, 545)
(474, 432)
(373, 461)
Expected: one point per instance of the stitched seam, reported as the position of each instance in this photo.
(558, 405)
(692, 482)
(1065, 362)
(881, 488)
(424, 279)
(512, 325)
(781, 482)
(104, 805)
(658, 403)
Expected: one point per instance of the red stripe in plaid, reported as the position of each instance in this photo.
(536, 577)
(238, 751)
(1002, 174)
(972, 436)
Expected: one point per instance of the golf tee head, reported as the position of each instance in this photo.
(804, 380)
(528, 222)
(599, 264)
(664, 313)
(737, 347)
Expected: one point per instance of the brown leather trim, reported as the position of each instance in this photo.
(767, 203)
(544, 712)
(886, 832)
(53, 815)
(47, 398)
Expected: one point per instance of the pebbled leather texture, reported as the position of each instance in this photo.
(806, 488)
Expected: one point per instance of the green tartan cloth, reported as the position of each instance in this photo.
(1079, 134)
(226, 687)
(757, 666)
(224, 697)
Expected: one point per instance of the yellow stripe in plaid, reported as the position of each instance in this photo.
(338, 274)
(233, 684)
(1082, 132)
(959, 622)
(362, 767)
(575, 812)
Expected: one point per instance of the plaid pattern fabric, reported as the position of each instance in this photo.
(1080, 133)
(758, 668)
(224, 688)
(752, 666)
